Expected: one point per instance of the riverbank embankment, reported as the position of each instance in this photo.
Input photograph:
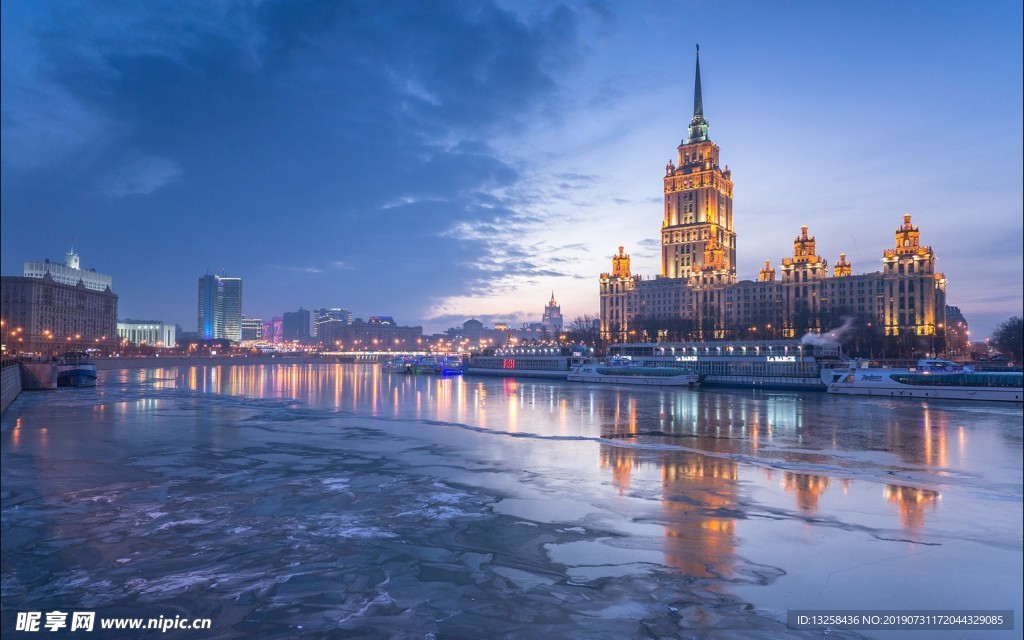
(10, 384)
(110, 364)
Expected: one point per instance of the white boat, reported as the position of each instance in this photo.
(442, 365)
(424, 364)
(623, 371)
(397, 364)
(758, 364)
(933, 379)
(529, 362)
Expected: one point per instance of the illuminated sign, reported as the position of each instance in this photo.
(686, 358)
(780, 358)
(508, 363)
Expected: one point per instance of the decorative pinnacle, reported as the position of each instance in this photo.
(698, 130)
(698, 101)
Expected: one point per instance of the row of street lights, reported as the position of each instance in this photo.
(16, 337)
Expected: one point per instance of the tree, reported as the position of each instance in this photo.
(1008, 337)
(583, 330)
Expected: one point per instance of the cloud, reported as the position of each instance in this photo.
(138, 174)
(515, 319)
(302, 131)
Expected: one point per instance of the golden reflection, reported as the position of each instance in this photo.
(621, 462)
(16, 433)
(927, 445)
(698, 500)
(697, 489)
(808, 489)
(912, 503)
(721, 424)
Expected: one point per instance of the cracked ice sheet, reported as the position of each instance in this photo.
(396, 507)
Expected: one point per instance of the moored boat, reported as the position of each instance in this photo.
(758, 364)
(529, 362)
(424, 364)
(396, 364)
(74, 369)
(438, 365)
(621, 371)
(451, 365)
(929, 380)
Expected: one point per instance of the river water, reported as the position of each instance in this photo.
(315, 500)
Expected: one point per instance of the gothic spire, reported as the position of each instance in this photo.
(698, 125)
(698, 100)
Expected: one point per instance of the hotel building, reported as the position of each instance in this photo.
(697, 296)
(220, 308)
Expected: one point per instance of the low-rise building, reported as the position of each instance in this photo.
(151, 333)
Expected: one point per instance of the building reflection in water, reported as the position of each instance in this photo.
(699, 506)
(713, 430)
(807, 488)
(912, 502)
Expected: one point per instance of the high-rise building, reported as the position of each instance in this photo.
(273, 330)
(70, 273)
(295, 325)
(697, 296)
(552, 319)
(322, 315)
(252, 329)
(220, 308)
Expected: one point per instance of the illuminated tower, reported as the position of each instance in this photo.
(71, 260)
(843, 269)
(697, 234)
(552, 319)
(915, 300)
(805, 265)
(615, 289)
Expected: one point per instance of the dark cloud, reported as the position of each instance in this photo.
(243, 136)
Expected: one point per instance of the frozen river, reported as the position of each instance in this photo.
(315, 500)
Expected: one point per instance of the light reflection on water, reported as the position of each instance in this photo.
(705, 483)
(717, 429)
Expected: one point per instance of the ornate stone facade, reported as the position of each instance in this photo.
(41, 315)
(697, 291)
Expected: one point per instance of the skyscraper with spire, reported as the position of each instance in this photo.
(697, 296)
(697, 235)
(552, 319)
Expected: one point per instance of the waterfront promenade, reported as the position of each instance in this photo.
(108, 364)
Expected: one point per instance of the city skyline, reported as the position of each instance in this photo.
(510, 155)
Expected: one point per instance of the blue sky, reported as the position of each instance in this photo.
(437, 161)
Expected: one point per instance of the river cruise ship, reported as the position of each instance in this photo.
(529, 362)
(761, 364)
(622, 371)
(928, 381)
